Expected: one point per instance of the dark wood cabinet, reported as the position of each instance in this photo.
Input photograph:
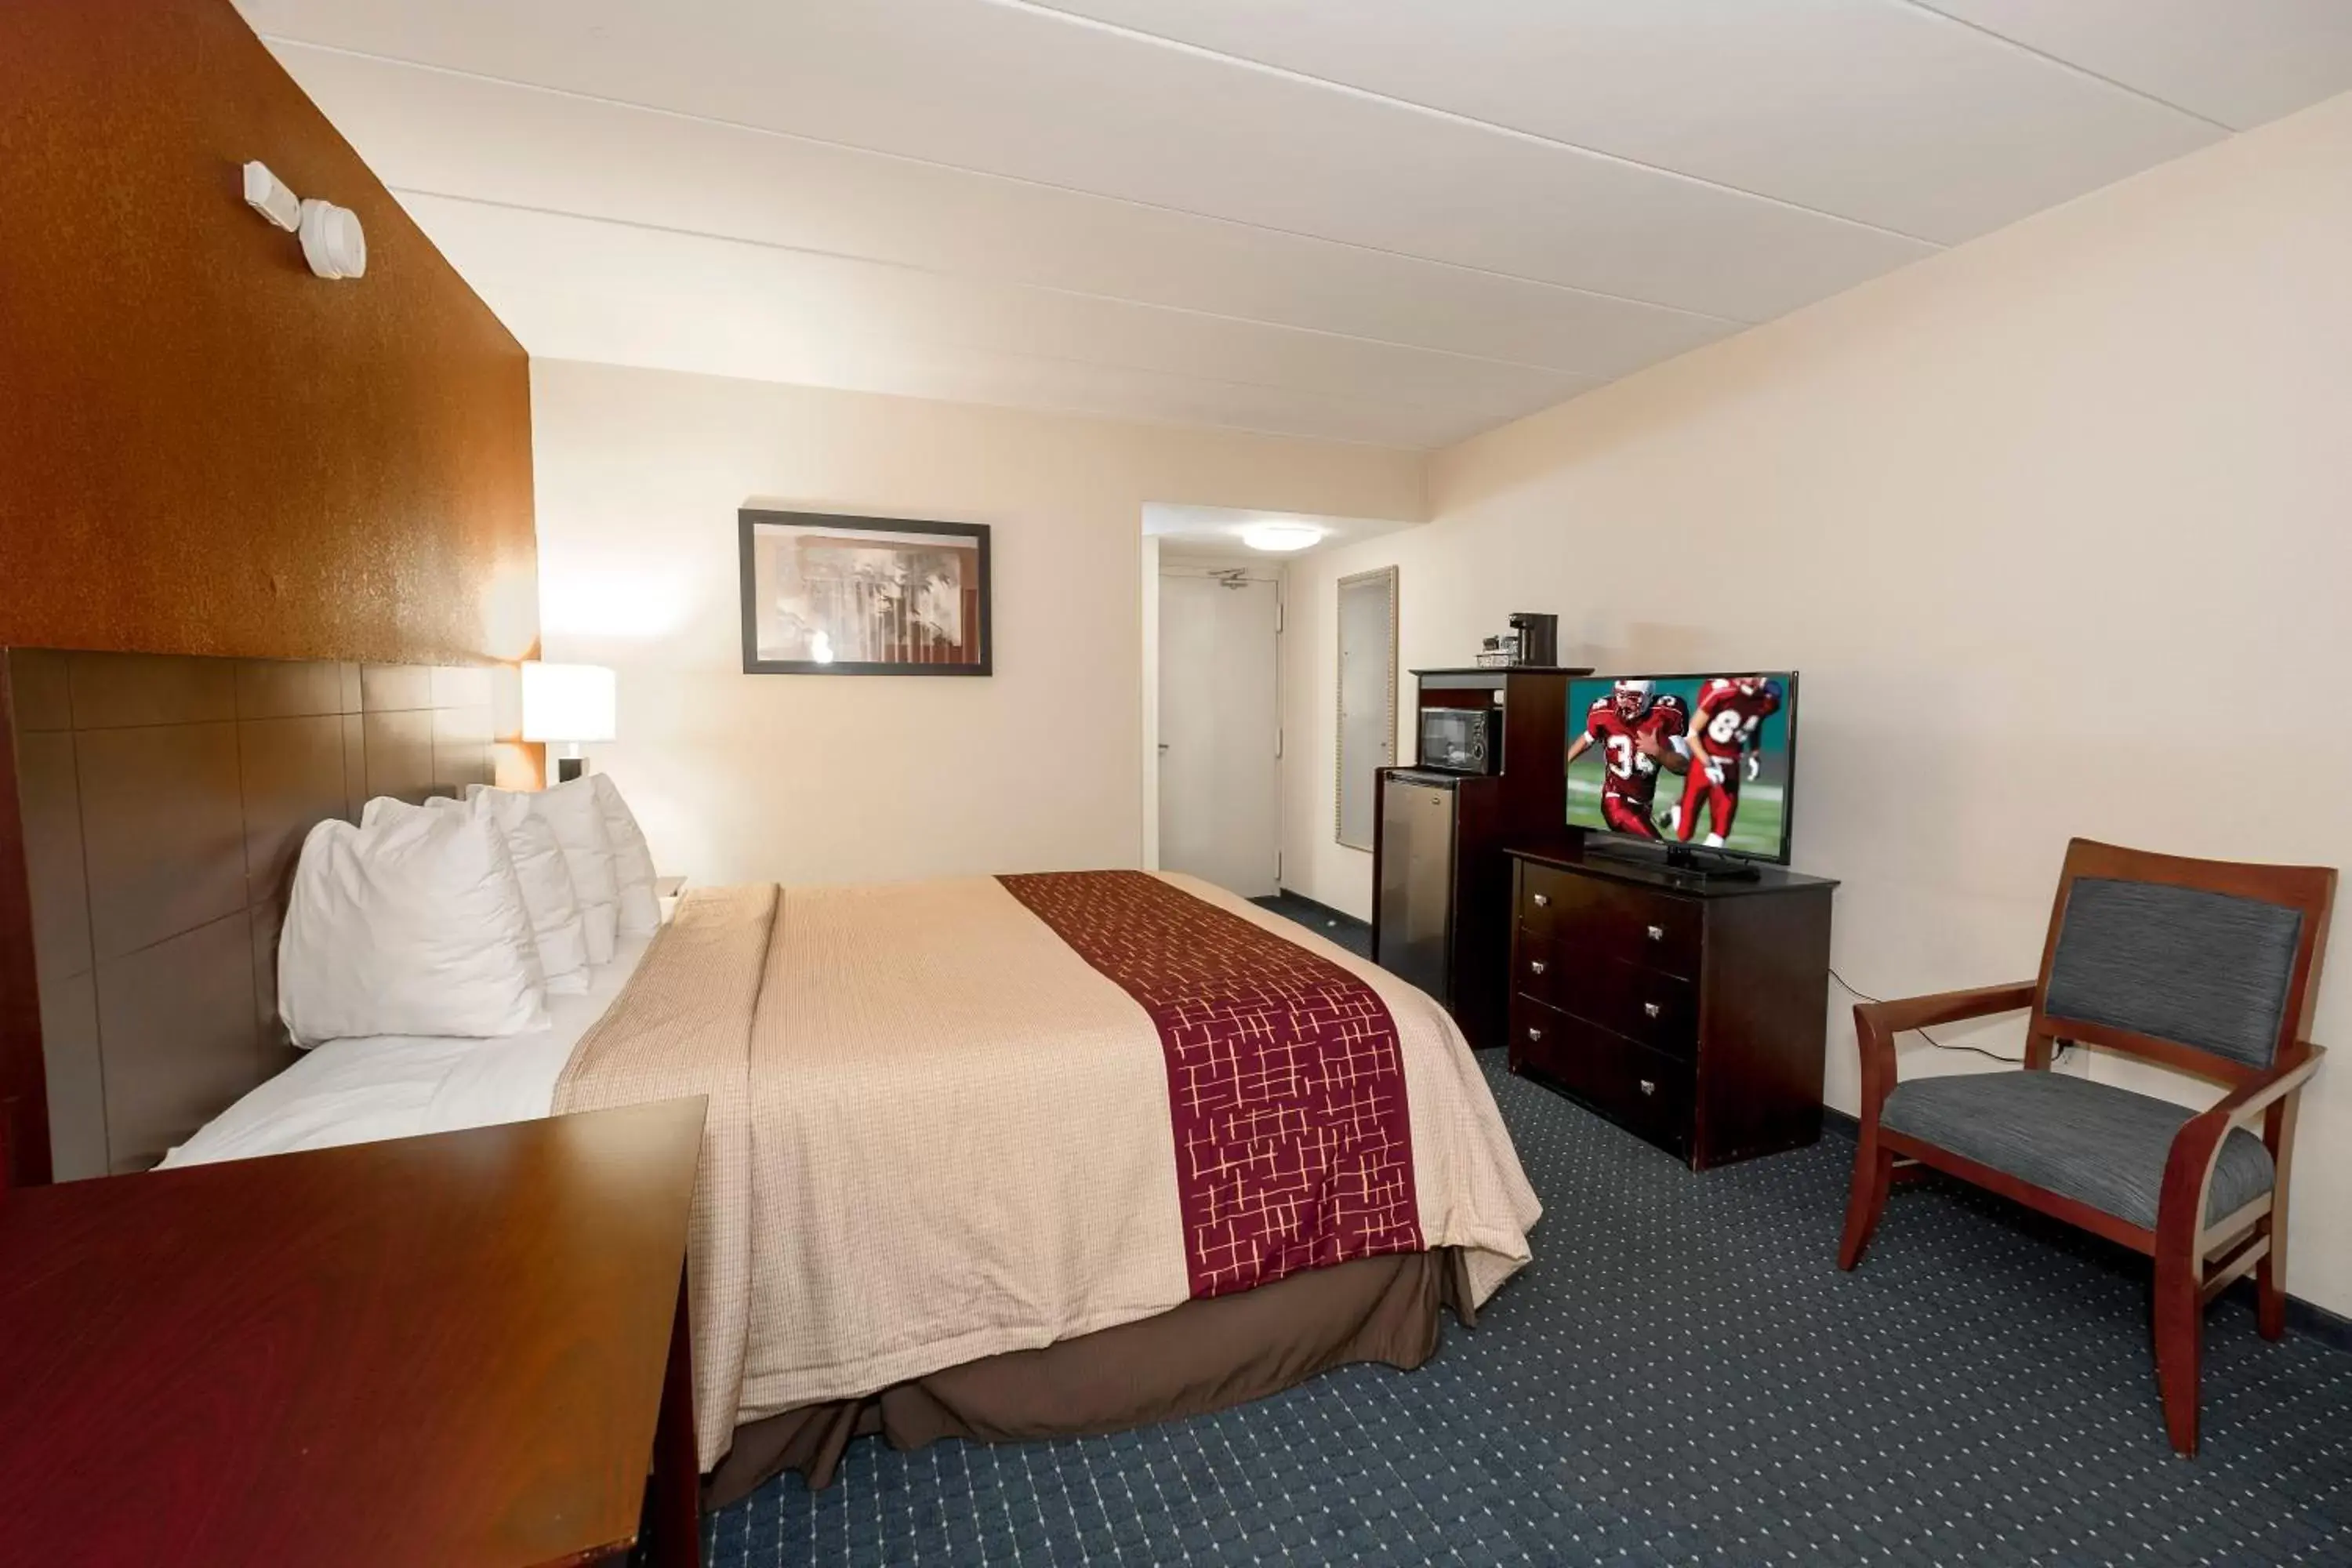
(1441, 884)
(1690, 1011)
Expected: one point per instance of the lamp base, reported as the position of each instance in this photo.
(570, 768)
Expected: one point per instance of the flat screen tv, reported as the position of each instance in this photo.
(1698, 764)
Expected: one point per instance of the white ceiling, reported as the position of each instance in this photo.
(1390, 221)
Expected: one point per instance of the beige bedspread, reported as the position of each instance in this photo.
(936, 1133)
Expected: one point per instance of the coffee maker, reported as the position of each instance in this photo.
(1538, 639)
(1533, 641)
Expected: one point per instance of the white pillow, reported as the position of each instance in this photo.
(556, 928)
(572, 810)
(415, 926)
(633, 862)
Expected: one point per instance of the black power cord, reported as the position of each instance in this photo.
(2063, 1046)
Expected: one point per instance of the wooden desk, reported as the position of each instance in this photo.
(452, 1351)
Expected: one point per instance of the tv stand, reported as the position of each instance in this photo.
(1680, 863)
(1692, 1012)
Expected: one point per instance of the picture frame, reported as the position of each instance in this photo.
(827, 594)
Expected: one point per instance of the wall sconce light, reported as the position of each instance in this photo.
(332, 241)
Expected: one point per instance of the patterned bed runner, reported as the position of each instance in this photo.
(1286, 1082)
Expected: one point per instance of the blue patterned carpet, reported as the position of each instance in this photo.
(1681, 1376)
(1353, 934)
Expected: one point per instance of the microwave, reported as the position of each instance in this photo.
(1462, 739)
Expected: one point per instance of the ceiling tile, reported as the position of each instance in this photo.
(1388, 221)
(640, 296)
(2241, 62)
(449, 134)
(1016, 91)
(1883, 112)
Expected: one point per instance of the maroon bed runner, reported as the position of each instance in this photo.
(1286, 1083)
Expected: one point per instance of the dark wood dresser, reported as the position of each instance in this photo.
(1692, 1012)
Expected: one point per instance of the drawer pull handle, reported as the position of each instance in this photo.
(1543, 900)
(1649, 1086)
(1652, 1009)
(1535, 1033)
(1537, 966)
(1657, 934)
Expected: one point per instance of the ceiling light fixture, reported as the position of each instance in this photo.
(1280, 536)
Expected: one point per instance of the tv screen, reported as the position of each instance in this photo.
(1702, 762)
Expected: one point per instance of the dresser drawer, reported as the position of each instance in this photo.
(1647, 1092)
(1647, 1005)
(1544, 971)
(1543, 1037)
(1631, 925)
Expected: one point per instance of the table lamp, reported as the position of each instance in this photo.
(567, 704)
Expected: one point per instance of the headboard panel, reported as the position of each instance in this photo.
(163, 801)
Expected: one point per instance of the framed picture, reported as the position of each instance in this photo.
(863, 595)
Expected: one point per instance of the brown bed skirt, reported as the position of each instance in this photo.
(1204, 1355)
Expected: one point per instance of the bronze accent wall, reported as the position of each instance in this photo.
(205, 450)
(202, 447)
(163, 802)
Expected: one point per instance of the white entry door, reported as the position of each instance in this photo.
(1219, 725)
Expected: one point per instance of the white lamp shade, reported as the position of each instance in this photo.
(567, 702)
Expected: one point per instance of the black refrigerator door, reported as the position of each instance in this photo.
(1416, 876)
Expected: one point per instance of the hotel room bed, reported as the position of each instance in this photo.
(938, 1197)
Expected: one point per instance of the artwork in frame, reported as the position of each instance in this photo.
(863, 595)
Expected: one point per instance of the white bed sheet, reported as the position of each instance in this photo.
(358, 1090)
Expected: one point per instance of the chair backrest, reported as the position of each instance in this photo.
(2209, 965)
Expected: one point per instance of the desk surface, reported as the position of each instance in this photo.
(446, 1350)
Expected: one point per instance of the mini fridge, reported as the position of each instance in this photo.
(1415, 933)
(1441, 891)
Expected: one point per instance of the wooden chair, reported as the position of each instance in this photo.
(2204, 966)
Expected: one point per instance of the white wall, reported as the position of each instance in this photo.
(2056, 526)
(812, 778)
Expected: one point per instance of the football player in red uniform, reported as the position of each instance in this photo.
(1723, 751)
(1636, 729)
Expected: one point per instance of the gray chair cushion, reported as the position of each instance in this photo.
(2091, 1141)
(2204, 969)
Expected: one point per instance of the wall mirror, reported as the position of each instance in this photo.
(1368, 698)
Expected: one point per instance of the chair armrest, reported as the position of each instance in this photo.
(2188, 1167)
(2242, 1104)
(1875, 1024)
(1892, 1018)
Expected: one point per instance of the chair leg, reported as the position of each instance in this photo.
(2270, 1285)
(1873, 1169)
(2179, 1345)
(2269, 1274)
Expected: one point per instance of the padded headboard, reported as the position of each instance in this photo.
(162, 800)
